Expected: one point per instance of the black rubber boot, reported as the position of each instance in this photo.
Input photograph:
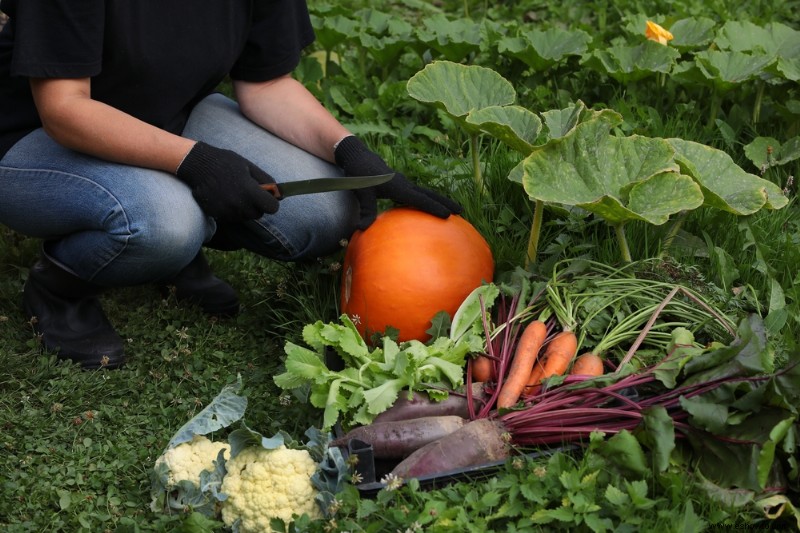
(65, 311)
(197, 284)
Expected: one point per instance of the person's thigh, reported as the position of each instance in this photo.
(109, 223)
(306, 226)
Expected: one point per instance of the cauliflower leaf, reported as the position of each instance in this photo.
(225, 409)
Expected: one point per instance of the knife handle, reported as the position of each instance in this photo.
(273, 188)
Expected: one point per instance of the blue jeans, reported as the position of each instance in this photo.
(120, 225)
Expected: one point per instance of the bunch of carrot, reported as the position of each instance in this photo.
(538, 355)
(520, 359)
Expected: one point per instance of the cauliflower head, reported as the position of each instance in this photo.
(262, 484)
(185, 461)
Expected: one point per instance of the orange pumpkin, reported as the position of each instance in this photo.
(409, 265)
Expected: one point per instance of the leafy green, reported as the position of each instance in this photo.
(625, 451)
(660, 431)
(744, 416)
(467, 317)
(370, 380)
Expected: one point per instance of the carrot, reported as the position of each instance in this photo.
(526, 352)
(420, 405)
(399, 438)
(478, 442)
(536, 374)
(556, 358)
(482, 368)
(587, 364)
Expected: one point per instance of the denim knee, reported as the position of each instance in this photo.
(157, 251)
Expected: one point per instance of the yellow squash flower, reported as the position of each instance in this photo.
(654, 32)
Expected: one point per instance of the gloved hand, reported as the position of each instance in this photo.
(357, 160)
(225, 184)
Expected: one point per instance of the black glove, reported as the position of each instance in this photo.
(357, 160)
(225, 184)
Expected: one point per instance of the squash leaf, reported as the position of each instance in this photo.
(453, 39)
(774, 39)
(461, 89)
(560, 122)
(513, 125)
(627, 63)
(541, 49)
(767, 152)
(617, 178)
(334, 29)
(725, 70)
(725, 184)
(694, 32)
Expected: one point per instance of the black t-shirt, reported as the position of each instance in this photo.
(153, 59)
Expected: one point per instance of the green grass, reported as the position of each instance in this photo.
(553, 491)
(77, 446)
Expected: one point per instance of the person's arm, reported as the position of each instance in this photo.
(73, 119)
(224, 184)
(287, 109)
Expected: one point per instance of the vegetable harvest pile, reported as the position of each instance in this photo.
(591, 352)
(527, 365)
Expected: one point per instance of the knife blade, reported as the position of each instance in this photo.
(310, 186)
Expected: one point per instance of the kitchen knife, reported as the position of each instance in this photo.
(293, 188)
